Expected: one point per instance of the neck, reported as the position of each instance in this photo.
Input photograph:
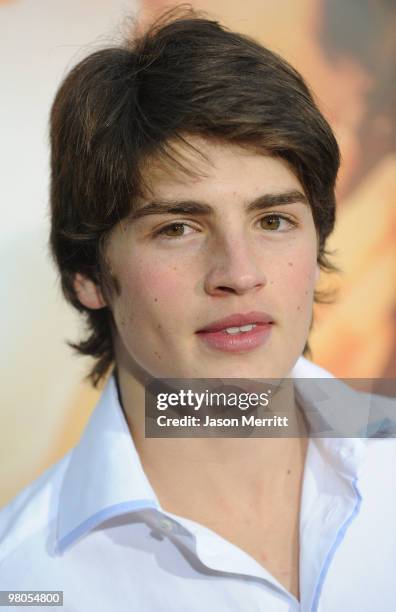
(220, 466)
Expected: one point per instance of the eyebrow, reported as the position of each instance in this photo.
(176, 207)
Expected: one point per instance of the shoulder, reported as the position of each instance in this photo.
(32, 511)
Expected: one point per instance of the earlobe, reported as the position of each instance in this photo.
(88, 292)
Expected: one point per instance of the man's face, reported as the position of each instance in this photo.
(236, 248)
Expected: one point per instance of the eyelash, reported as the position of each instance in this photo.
(161, 232)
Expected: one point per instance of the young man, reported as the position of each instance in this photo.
(192, 194)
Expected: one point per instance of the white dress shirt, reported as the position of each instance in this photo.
(92, 527)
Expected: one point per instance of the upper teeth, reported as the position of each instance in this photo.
(243, 328)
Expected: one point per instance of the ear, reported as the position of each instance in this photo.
(88, 292)
(317, 273)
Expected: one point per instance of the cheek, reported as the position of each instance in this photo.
(148, 287)
(297, 277)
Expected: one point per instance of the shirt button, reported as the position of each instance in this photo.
(166, 525)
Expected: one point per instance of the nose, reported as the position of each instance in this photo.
(234, 268)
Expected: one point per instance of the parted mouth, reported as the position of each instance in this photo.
(236, 321)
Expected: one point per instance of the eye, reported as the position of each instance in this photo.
(173, 230)
(275, 222)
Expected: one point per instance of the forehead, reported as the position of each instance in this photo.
(211, 166)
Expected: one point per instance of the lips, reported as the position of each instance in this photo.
(237, 320)
(215, 337)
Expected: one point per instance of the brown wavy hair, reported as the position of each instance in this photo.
(121, 106)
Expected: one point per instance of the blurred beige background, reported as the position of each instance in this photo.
(346, 51)
(43, 404)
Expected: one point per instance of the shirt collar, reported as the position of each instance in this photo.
(105, 477)
(338, 413)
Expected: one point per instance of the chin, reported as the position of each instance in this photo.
(241, 369)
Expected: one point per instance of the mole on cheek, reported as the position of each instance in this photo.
(290, 264)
